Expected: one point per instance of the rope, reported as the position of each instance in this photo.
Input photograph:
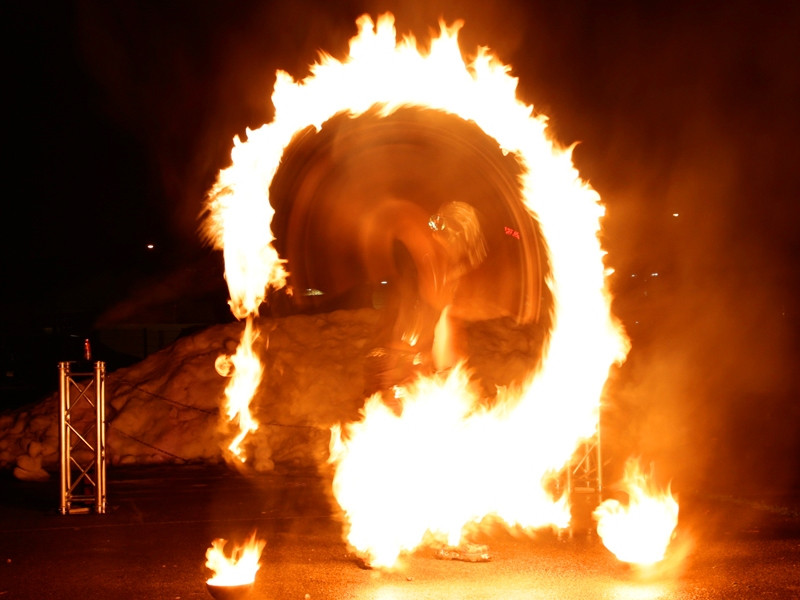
(156, 448)
(206, 411)
(189, 406)
(186, 460)
(274, 424)
(167, 400)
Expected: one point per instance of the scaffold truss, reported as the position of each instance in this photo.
(82, 437)
(584, 483)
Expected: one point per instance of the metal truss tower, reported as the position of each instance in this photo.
(584, 477)
(82, 437)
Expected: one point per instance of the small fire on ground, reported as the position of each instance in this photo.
(640, 531)
(237, 568)
(442, 464)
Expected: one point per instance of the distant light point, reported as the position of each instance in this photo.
(676, 215)
(150, 246)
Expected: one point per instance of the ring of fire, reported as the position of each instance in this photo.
(559, 404)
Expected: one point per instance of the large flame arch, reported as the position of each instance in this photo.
(382, 75)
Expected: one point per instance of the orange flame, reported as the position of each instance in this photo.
(240, 567)
(640, 532)
(438, 467)
(245, 378)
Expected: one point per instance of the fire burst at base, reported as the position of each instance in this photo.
(441, 464)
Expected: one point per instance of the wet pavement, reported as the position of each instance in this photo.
(152, 542)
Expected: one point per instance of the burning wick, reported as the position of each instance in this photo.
(238, 569)
(640, 532)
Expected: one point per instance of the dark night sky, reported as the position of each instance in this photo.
(119, 115)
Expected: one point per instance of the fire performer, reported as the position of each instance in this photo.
(418, 214)
(426, 258)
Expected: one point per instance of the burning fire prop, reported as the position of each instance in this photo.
(237, 570)
(443, 463)
(640, 532)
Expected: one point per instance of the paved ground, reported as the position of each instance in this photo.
(152, 544)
